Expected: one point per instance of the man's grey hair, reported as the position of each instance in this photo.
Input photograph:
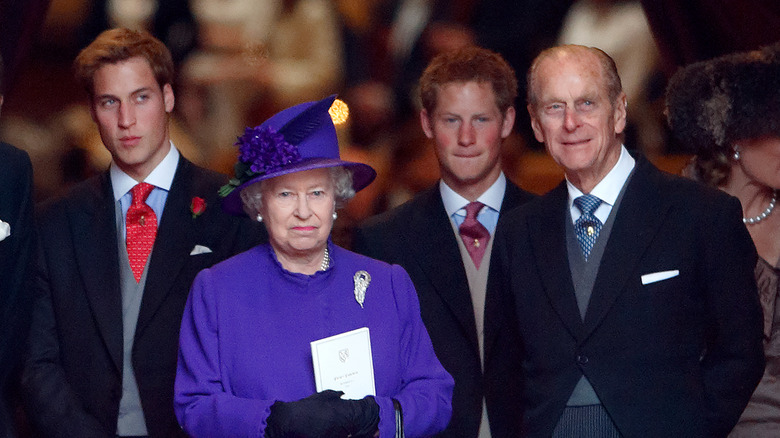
(609, 70)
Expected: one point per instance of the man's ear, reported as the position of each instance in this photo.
(168, 98)
(508, 122)
(426, 123)
(620, 115)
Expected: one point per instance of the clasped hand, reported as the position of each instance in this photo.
(323, 415)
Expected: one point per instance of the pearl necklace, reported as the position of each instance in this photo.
(756, 219)
(325, 260)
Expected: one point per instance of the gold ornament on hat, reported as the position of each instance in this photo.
(339, 112)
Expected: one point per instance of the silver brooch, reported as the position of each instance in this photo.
(362, 280)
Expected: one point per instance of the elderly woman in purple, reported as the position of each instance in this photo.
(245, 360)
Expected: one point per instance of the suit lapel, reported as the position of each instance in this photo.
(95, 245)
(434, 246)
(639, 217)
(513, 197)
(548, 239)
(175, 239)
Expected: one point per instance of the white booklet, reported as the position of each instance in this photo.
(343, 363)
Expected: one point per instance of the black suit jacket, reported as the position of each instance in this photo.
(673, 358)
(418, 236)
(16, 253)
(72, 380)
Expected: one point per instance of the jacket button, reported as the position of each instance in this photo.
(582, 359)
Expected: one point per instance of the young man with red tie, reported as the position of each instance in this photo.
(118, 255)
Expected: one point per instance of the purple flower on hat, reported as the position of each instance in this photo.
(261, 150)
(264, 149)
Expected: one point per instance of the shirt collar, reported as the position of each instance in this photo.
(161, 176)
(609, 187)
(492, 197)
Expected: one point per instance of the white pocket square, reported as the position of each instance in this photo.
(5, 230)
(658, 276)
(200, 249)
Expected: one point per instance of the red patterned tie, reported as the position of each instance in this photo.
(141, 229)
(475, 236)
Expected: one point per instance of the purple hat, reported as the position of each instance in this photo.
(296, 139)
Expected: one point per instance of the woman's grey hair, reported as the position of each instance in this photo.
(343, 190)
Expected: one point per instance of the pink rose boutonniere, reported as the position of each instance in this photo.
(198, 206)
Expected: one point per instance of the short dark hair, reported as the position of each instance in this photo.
(117, 45)
(465, 65)
(608, 69)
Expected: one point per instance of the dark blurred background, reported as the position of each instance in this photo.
(239, 61)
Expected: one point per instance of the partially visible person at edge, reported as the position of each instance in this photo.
(245, 361)
(118, 256)
(633, 288)
(17, 244)
(468, 112)
(727, 110)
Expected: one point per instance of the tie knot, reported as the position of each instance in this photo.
(475, 236)
(587, 204)
(140, 192)
(472, 209)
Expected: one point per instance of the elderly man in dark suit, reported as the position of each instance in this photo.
(442, 238)
(119, 253)
(633, 289)
(16, 251)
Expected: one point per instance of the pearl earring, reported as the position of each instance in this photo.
(736, 153)
(335, 215)
(259, 217)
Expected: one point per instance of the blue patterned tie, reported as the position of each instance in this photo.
(588, 225)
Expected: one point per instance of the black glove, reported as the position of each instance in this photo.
(323, 415)
(364, 417)
(320, 415)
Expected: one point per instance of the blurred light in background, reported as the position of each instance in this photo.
(339, 112)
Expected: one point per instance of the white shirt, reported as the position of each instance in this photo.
(607, 189)
(455, 204)
(161, 178)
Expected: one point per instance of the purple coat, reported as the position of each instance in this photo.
(245, 343)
